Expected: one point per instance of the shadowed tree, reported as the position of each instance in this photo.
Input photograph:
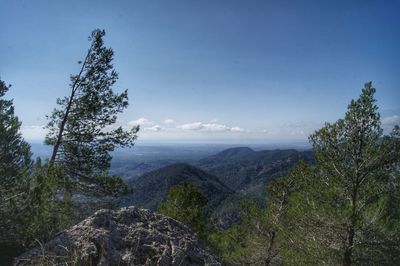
(186, 204)
(14, 162)
(15, 155)
(81, 129)
(26, 191)
(15, 165)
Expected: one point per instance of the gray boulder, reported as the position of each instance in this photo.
(129, 236)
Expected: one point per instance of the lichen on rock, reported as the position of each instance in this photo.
(129, 236)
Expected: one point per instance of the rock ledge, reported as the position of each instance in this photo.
(129, 236)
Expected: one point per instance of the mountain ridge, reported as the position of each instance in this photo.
(226, 178)
(246, 165)
(152, 187)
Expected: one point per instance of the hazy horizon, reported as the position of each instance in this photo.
(209, 71)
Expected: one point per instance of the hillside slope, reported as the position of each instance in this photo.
(151, 188)
(248, 172)
(240, 167)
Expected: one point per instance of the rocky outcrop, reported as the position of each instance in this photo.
(129, 236)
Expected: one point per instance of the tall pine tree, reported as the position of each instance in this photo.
(344, 210)
(15, 163)
(15, 155)
(344, 213)
(81, 129)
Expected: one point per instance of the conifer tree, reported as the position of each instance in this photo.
(344, 210)
(265, 235)
(15, 163)
(341, 215)
(81, 129)
(186, 204)
(15, 155)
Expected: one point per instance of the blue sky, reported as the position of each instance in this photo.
(211, 71)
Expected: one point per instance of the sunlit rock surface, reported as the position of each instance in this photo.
(129, 236)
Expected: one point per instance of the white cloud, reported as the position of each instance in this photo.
(169, 121)
(141, 121)
(391, 120)
(33, 132)
(209, 127)
(214, 120)
(154, 128)
(237, 129)
(191, 126)
(212, 127)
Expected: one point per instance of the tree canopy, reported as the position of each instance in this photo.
(15, 155)
(15, 162)
(186, 204)
(342, 210)
(82, 129)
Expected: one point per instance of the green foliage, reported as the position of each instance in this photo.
(239, 245)
(355, 166)
(34, 212)
(345, 210)
(112, 185)
(82, 134)
(186, 204)
(14, 167)
(27, 209)
(263, 236)
(41, 217)
(293, 212)
(14, 151)
(231, 245)
(152, 187)
(81, 130)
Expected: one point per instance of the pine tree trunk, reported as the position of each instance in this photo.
(60, 133)
(348, 254)
(349, 250)
(75, 87)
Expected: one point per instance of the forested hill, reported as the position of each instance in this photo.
(152, 187)
(238, 153)
(239, 167)
(226, 178)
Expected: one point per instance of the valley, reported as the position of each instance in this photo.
(227, 178)
(226, 174)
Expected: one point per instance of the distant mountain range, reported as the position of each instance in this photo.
(226, 178)
(238, 167)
